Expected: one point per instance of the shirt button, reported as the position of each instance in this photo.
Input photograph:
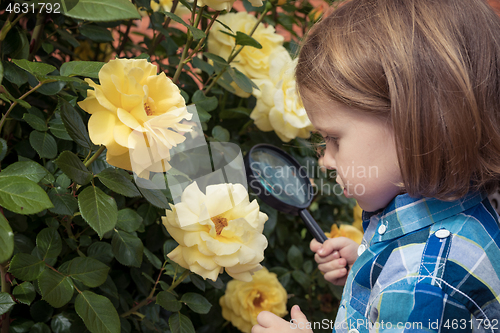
(361, 249)
(353, 330)
(442, 233)
(382, 229)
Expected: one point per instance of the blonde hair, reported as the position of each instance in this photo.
(432, 68)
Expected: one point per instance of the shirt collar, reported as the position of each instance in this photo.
(405, 214)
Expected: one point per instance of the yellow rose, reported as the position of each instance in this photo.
(132, 103)
(345, 230)
(251, 61)
(217, 230)
(278, 106)
(225, 4)
(358, 220)
(166, 5)
(243, 301)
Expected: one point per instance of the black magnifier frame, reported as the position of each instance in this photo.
(263, 189)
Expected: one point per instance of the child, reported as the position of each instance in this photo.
(409, 90)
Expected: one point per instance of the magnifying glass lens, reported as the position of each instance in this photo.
(279, 178)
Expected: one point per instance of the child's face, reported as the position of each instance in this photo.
(361, 148)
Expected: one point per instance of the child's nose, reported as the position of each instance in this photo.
(329, 161)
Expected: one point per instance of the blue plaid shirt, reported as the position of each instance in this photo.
(425, 266)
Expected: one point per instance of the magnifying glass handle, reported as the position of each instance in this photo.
(312, 226)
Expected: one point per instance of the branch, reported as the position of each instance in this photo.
(4, 117)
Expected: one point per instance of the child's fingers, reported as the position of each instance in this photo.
(299, 319)
(331, 245)
(321, 260)
(333, 265)
(266, 318)
(315, 245)
(337, 276)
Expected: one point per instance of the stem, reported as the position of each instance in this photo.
(37, 34)
(158, 38)
(95, 156)
(188, 43)
(149, 299)
(233, 55)
(5, 289)
(184, 275)
(4, 117)
(200, 44)
(124, 39)
(67, 225)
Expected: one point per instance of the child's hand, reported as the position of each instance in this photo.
(332, 257)
(268, 322)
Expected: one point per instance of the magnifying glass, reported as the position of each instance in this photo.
(282, 183)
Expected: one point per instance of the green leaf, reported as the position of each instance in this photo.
(239, 112)
(67, 322)
(57, 78)
(56, 288)
(28, 169)
(89, 271)
(128, 220)
(97, 312)
(24, 293)
(98, 209)
(58, 130)
(243, 39)
(197, 33)
(118, 183)
(14, 74)
(242, 80)
(204, 66)
(153, 259)
(128, 249)
(96, 33)
(40, 328)
(23, 196)
(35, 122)
(103, 10)
(168, 301)
(207, 103)
(82, 68)
(41, 312)
(64, 203)
(35, 68)
(101, 251)
(6, 303)
(44, 144)
(73, 167)
(26, 267)
(295, 257)
(220, 134)
(74, 124)
(302, 278)
(155, 197)
(216, 59)
(1, 72)
(3, 149)
(49, 243)
(198, 281)
(6, 239)
(196, 302)
(179, 323)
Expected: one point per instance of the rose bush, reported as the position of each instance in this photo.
(279, 107)
(96, 101)
(243, 301)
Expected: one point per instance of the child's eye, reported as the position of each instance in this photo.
(332, 139)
